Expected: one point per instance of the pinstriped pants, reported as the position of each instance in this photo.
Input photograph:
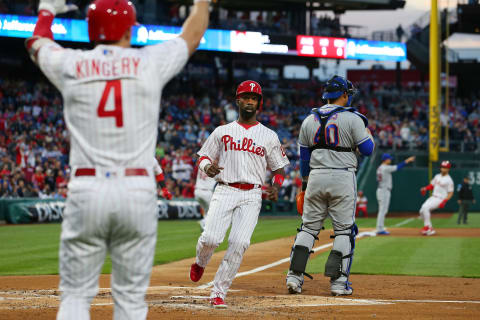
(118, 215)
(240, 209)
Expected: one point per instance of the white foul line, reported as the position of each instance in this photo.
(274, 264)
(403, 222)
(433, 301)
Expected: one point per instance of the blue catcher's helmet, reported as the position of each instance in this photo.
(337, 86)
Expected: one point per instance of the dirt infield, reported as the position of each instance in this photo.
(263, 295)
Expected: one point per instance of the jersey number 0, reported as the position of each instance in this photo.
(117, 112)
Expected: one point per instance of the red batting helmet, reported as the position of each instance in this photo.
(108, 20)
(251, 86)
(446, 164)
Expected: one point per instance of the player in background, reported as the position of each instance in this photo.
(328, 140)
(237, 155)
(384, 189)
(362, 202)
(204, 186)
(465, 199)
(111, 100)
(442, 186)
(160, 178)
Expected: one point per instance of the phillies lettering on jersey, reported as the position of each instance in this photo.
(247, 145)
(245, 152)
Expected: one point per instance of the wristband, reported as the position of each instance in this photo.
(204, 161)
(278, 179)
(44, 24)
(304, 185)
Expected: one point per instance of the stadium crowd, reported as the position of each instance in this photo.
(272, 22)
(34, 141)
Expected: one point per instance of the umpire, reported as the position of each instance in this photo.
(465, 199)
(328, 140)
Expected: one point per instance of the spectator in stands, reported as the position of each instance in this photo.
(31, 113)
(362, 202)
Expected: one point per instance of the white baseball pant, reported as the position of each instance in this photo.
(115, 214)
(430, 204)
(383, 198)
(240, 208)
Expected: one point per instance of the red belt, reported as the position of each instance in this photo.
(128, 172)
(242, 186)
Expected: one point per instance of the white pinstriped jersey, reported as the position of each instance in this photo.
(442, 185)
(244, 153)
(112, 98)
(204, 182)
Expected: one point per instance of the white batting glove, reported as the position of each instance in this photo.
(56, 6)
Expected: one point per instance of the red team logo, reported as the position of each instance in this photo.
(247, 145)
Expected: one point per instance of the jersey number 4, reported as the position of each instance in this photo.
(117, 111)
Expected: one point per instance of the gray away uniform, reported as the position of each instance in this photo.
(331, 191)
(384, 179)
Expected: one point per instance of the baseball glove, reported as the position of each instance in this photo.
(300, 199)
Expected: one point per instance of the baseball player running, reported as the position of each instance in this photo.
(384, 189)
(442, 186)
(111, 97)
(328, 140)
(237, 155)
(204, 186)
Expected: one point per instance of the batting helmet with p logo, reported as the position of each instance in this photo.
(250, 86)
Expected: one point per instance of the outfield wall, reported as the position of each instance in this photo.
(33, 210)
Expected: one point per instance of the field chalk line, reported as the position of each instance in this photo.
(279, 262)
(401, 223)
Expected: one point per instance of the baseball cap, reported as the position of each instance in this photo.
(386, 156)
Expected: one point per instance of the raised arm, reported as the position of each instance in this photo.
(197, 22)
(405, 162)
(47, 9)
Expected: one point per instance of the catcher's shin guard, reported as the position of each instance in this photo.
(300, 256)
(340, 259)
(301, 250)
(333, 266)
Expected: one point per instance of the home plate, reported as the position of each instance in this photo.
(273, 302)
(312, 301)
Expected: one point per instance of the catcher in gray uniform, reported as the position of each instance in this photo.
(328, 140)
(384, 179)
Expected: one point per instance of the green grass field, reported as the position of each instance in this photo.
(33, 249)
(423, 256)
(449, 257)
